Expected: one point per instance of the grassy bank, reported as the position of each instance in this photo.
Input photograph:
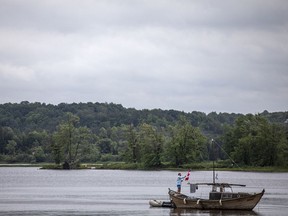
(131, 166)
(195, 166)
(20, 165)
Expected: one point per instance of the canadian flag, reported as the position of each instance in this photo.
(187, 176)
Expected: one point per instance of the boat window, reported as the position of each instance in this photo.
(226, 195)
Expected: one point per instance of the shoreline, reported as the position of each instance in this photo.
(121, 166)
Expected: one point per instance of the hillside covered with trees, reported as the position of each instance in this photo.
(70, 134)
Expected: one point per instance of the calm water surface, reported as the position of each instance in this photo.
(31, 191)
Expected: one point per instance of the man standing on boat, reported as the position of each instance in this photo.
(179, 182)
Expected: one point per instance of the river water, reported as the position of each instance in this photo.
(32, 191)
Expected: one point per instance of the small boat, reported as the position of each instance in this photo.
(219, 197)
(220, 200)
(158, 203)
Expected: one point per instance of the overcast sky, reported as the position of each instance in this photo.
(224, 56)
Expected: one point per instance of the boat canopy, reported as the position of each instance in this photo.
(221, 184)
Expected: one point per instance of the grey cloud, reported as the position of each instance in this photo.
(186, 55)
(78, 15)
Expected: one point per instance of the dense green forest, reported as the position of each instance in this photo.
(75, 133)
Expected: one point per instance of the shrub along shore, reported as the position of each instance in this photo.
(137, 166)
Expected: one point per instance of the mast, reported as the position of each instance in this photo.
(213, 155)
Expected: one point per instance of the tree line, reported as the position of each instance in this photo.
(70, 134)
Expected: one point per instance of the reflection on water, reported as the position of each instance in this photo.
(30, 191)
(181, 212)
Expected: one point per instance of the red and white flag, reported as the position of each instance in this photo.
(187, 176)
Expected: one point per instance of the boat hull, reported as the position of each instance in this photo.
(247, 202)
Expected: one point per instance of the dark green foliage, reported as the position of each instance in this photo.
(132, 152)
(186, 145)
(71, 142)
(39, 132)
(254, 141)
(151, 142)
